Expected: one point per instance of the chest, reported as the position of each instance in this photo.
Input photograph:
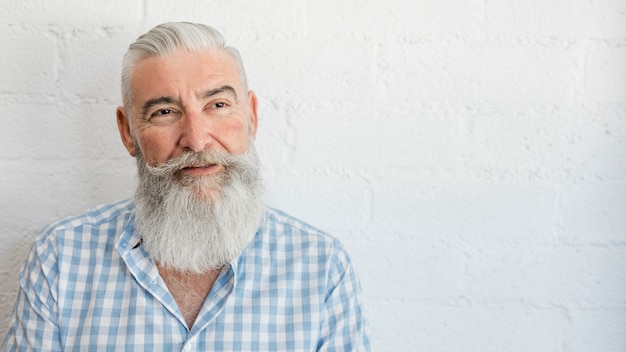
(133, 315)
(189, 291)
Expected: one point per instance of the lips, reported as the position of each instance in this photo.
(198, 166)
(201, 169)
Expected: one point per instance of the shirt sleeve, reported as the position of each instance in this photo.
(34, 322)
(343, 326)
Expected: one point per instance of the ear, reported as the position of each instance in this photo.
(254, 122)
(123, 124)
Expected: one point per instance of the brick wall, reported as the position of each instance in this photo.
(471, 155)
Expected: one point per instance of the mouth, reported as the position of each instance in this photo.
(201, 169)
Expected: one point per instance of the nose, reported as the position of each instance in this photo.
(195, 133)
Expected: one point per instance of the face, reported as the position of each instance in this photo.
(187, 102)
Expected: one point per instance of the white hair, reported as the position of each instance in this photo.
(167, 38)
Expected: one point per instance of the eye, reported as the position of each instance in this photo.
(162, 112)
(163, 116)
(220, 104)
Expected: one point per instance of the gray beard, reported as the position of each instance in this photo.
(198, 224)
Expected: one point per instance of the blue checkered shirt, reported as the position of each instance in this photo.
(88, 285)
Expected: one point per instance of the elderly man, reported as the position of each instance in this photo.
(194, 261)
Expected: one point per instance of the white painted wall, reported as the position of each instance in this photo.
(471, 154)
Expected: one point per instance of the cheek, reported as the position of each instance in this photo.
(236, 137)
(156, 147)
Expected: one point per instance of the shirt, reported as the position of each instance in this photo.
(89, 285)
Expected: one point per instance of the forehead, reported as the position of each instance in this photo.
(184, 71)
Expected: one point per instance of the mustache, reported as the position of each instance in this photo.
(193, 159)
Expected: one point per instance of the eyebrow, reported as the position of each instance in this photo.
(229, 89)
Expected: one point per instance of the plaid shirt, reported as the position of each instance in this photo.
(88, 285)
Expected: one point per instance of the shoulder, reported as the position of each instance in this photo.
(282, 224)
(289, 235)
(95, 216)
(74, 241)
(103, 221)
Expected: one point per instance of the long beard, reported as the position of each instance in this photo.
(201, 223)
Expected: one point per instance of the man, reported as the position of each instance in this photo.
(194, 261)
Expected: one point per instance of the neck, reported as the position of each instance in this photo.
(189, 290)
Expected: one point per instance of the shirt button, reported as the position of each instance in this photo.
(188, 347)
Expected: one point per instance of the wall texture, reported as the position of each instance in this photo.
(471, 154)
